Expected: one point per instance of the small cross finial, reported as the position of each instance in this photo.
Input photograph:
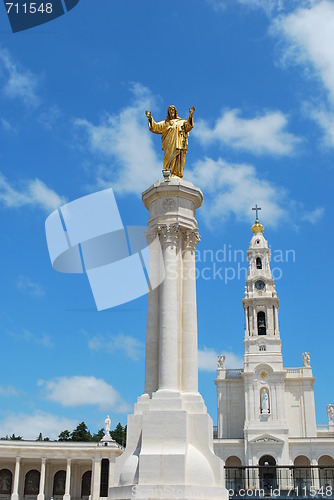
(256, 208)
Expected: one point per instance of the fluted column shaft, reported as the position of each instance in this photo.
(168, 349)
(189, 308)
(152, 324)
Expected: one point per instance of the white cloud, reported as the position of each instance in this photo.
(25, 285)
(8, 390)
(44, 339)
(125, 145)
(6, 126)
(208, 359)
(314, 216)
(132, 347)
(32, 193)
(263, 134)
(19, 82)
(29, 426)
(83, 390)
(308, 39)
(233, 189)
(270, 7)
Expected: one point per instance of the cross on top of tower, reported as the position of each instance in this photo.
(257, 215)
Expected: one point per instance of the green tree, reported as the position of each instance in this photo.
(99, 435)
(15, 438)
(81, 433)
(64, 436)
(119, 434)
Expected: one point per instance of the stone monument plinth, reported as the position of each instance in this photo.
(169, 452)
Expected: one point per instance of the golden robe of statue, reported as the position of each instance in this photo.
(174, 135)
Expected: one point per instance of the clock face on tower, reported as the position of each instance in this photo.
(259, 284)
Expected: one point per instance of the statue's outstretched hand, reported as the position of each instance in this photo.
(191, 110)
(148, 114)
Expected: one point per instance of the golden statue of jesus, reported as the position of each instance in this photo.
(174, 135)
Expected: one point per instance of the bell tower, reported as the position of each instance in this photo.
(265, 409)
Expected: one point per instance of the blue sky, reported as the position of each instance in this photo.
(73, 94)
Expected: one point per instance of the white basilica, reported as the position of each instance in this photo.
(266, 430)
(266, 437)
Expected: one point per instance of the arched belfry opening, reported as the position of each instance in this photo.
(258, 263)
(261, 323)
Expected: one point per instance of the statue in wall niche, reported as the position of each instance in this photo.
(221, 362)
(264, 403)
(306, 359)
(174, 135)
(107, 424)
(330, 413)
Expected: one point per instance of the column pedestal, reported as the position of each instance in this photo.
(169, 452)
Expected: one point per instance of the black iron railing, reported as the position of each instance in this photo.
(280, 482)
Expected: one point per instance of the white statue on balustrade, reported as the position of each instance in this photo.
(330, 413)
(306, 359)
(221, 362)
(107, 424)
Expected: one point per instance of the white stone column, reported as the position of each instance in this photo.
(67, 495)
(276, 321)
(41, 494)
(91, 481)
(168, 348)
(315, 475)
(95, 487)
(152, 324)
(246, 321)
(15, 494)
(189, 320)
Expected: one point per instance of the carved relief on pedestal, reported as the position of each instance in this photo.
(167, 205)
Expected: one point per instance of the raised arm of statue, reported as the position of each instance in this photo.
(155, 127)
(189, 124)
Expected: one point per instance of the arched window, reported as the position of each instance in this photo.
(234, 473)
(104, 485)
(326, 472)
(59, 483)
(6, 479)
(302, 473)
(267, 473)
(258, 263)
(261, 323)
(31, 483)
(86, 483)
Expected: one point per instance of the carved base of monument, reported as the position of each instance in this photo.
(169, 452)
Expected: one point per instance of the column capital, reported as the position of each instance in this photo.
(190, 238)
(169, 232)
(151, 235)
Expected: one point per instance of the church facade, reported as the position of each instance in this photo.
(266, 433)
